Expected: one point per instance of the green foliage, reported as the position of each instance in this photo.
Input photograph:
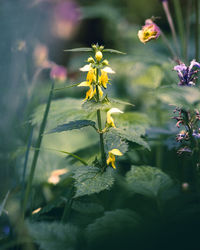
(79, 50)
(62, 111)
(111, 226)
(183, 97)
(87, 207)
(90, 180)
(132, 135)
(54, 235)
(115, 141)
(73, 125)
(147, 180)
(151, 77)
(105, 104)
(114, 51)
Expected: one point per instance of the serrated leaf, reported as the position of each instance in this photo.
(114, 51)
(79, 50)
(132, 135)
(73, 125)
(114, 141)
(112, 225)
(87, 207)
(105, 104)
(132, 119)
(147, 180)
(54, 235)
(90, 180)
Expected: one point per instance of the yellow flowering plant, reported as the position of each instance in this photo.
(114, 135)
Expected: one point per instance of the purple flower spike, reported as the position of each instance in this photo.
(186, 74)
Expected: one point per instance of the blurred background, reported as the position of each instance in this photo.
(34, 35)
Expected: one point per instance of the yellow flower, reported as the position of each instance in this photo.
(103, 79)
(109, 118)
(98, 56)
(111, 157)
(91, 76)
(91, 92)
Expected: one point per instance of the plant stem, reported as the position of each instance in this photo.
(187, 33)
(180, 23)
(174, 56)
(37, 150)
(103, 156)
(171, 24)
(26, 160)
(197, 29)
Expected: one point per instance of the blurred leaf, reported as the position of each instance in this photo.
(132, 119)
(54, 235)
(63, 110)
(147, 180)
(132, 135)
(151, 77)
(78, 124)
(112, 225)
(79, 50)
(87, 207)
(89, 180)
(114, 51)
(182, 97)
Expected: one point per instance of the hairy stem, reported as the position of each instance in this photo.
(37, 150)
(103, 156)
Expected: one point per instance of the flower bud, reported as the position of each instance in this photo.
(98, 56)
(58, 73)
(94, 46)
(101, 47)
(90, 60)
(105, 62)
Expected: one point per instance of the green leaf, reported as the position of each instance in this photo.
(90, 180)
(112, 226)
(183, 97)
(114, 51)
(79, 50)
(62, 111)
(105, 104)
(147, 180)
(54, 235)
(114, 141)
(87, 207)
(132, 119)
(132, 135)
(73, 125)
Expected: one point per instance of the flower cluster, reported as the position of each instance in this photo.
(149, 31)
(187, 74)
(97, 80)
(97, 76)
(189, 119)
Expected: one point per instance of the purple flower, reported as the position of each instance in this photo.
(196, 134)
(187, 74)
(58, 73)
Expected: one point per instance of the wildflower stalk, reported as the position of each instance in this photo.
(171, 24)
(180, 23)
(197, 29)
(172, 52)
(103, 156)
(37, 150)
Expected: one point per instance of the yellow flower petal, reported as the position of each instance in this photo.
(108, 70)
(116, 151)
(109, 119)
(86, 68)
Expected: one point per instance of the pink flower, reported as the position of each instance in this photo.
(58, 73)
(149, 31)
